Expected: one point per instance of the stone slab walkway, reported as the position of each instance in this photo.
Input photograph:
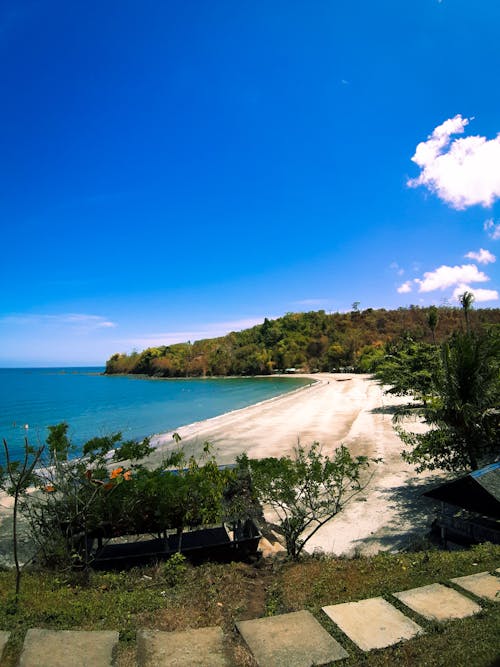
(438, 603)
(286, 640)
(483, 584)
(290, 640)
(202, 647)
(65, 648)
(372, 623)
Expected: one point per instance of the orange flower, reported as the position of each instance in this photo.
(127, 476)
(50, 488)
(116, 473)
(109, 486)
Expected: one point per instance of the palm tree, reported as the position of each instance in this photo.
(464, 415)
(432, 320)
(466, 300)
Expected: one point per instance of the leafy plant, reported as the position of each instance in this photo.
(463, 415)
(15, 478)
(307, 489)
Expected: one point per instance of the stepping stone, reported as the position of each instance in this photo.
(372, 623)
(483, 584)
(4, 638)
(202, 647)
(290, 640)
(438, 603)
(60, 648)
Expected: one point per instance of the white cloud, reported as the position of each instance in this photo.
(395, 267)
(405, 287)
(211, 330)
(312, 302)
(480, 294)
(482, 256)
(492, 229)
(447, 276)
(462, 172)
(75, 320)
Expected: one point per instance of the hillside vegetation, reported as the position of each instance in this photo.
(313, 341)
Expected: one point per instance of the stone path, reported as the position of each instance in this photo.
(287, 640)
(483, 584)
(438, 603)
(372, 623)
(61, 648)
(203, 647)
(290, 640)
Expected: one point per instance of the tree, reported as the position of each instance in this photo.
(466, 300)
(409, 369)
(432, 321)
(59, 445)
(15, 478)
(307, 489)
(464, 414)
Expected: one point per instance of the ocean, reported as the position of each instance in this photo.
(94, 404)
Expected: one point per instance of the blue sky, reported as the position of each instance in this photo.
(175, 170)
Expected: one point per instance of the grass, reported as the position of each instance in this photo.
(175, 597)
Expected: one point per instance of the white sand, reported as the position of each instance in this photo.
(343, 408)
(339, 408)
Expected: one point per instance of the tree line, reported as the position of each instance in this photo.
(312, 341)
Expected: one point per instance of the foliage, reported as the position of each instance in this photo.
(409, 369)
(308, 489)
(174, 569)
(309, 341)
(464, 414)
(15, 478)
(58, 443)
(466, 300)
(82, 498)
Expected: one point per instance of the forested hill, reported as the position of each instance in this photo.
(307, 341)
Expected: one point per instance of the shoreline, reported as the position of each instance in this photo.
(196, 428)
(348, 409)
(333, 409)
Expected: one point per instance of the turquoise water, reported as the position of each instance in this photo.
(94, 404)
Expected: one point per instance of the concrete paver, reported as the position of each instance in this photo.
(482, 584)
(372, 623)
(290, 640)
(61, 648)
(438, 603)
(201, 647)
(4, 638)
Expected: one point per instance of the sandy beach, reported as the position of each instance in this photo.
(335, 409)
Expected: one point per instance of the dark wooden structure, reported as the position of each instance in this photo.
(470, 507)
(214, 543)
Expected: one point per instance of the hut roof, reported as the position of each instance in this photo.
(479, 491)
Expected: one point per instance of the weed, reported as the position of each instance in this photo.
(174, 569)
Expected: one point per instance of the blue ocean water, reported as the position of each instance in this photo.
(95, 404)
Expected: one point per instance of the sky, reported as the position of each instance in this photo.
(176, 170)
